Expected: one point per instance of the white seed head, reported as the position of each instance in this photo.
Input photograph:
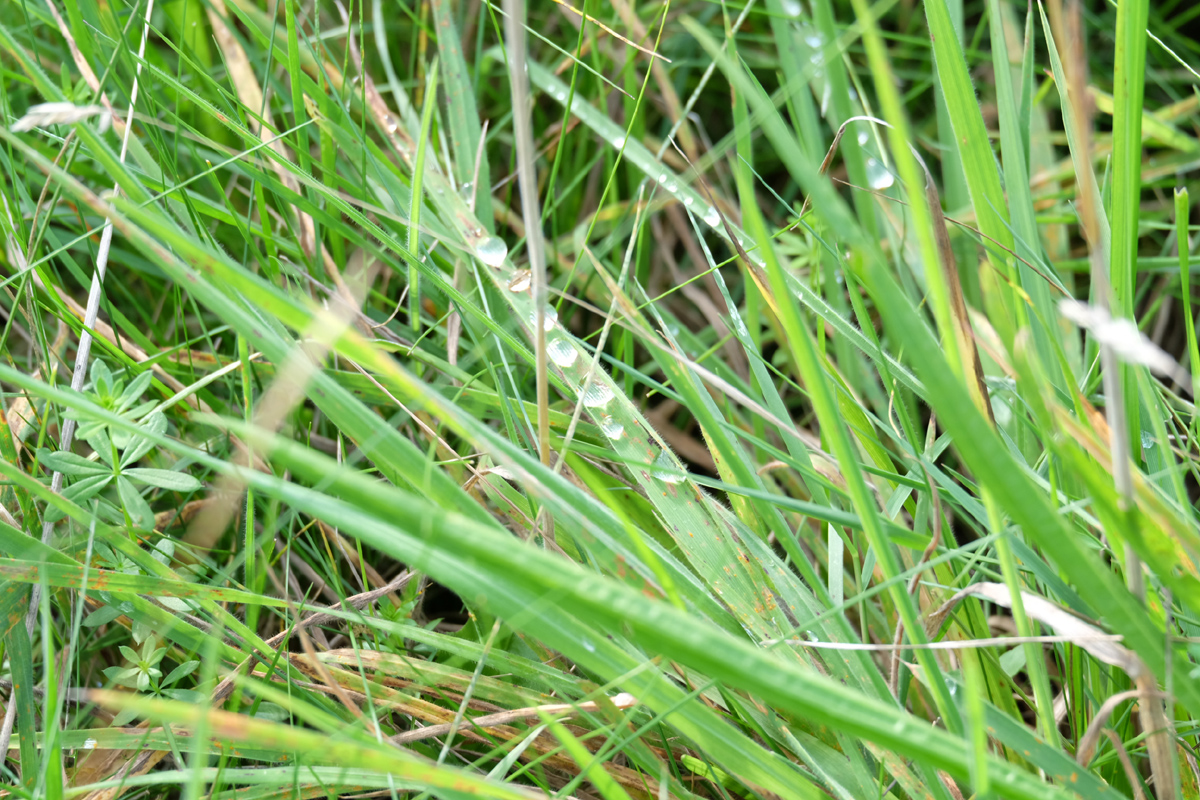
(1124, 338)
(45, 114)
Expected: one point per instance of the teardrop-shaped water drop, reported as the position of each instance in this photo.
(520, 281)
(666, 469)
(561, 351)
(549, 318)
(492, 251)
(712, 217)
(878, 176)
(597, 394)
(611, 427)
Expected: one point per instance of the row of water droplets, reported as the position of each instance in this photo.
(492, 251)
(879, 177)
(670, 184)
(596, 396)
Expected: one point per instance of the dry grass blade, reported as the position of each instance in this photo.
(1087, 743)
(964, 644)
(530, 207)
(972, 368)
(621, 701)
(1153, 717)
(1131, 773)
(1087, 636)
(611, 32)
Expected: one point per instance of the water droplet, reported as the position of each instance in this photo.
(492, 251)
(597, 394)
(863, 137)
(712, 217)
(561, 351)
(792, 8)
(520, 281)
(587, 645)
(878, 175)
(667, 470)
(814, 41)
(610, 427)
(549, 318)
(389, 122)
(687, 201)
(672, 187)
(662, 178)
(467, 191)
(619, 141)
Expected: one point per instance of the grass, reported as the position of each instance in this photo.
(707, 425)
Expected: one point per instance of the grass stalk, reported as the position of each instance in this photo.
(514, 24)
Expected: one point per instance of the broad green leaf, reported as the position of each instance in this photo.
(163, 479)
